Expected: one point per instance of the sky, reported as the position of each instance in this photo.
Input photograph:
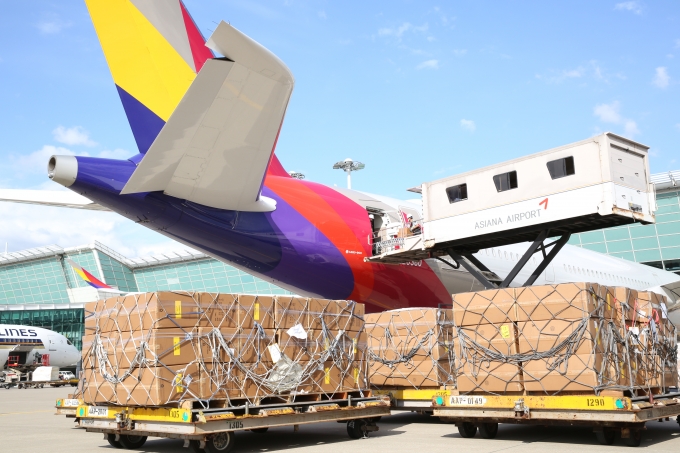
(416, 90)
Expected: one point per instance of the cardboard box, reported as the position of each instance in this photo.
(256, 309)
(542, 336)
(480, 307)
(565, 301)
(336, 315)
(350, 345)
(145, 386)
(412, 374)
(476, 372)
(578, 373)
(494, 378)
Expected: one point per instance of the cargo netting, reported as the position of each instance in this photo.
(410, 347)
(165, 348)
(550, 339)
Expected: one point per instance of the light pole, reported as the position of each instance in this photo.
(296, 175)
(349, 166)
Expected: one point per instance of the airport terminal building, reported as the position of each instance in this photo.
(656, 245)
(39, 288)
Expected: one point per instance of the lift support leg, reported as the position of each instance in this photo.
(474, 266)
(463, 261)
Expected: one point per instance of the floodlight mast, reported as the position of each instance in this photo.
(296, 175)
(348, 165)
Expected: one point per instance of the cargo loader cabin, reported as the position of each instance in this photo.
(595, 183)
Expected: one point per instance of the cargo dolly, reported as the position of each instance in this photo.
(213, 429)
(67, 406)
(607, 415)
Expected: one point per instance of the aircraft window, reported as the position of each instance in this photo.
(457, 193)
(505, 181)
(561, 167)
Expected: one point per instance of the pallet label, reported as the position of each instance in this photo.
(94, 411)
(71, 403)
(466, 400)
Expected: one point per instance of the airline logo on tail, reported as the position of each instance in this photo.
(89, 278)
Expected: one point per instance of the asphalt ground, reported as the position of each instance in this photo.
(28, 424)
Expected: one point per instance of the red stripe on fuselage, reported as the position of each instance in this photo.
(303, 197)
(346, 224)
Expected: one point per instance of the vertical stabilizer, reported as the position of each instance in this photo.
(154, 50)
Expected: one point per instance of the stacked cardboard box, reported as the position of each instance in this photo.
(409, 348)
(167, 347)
(572, 337)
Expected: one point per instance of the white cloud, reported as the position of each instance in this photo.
(322, 15)
(608, 113)
(52, 25)
(399, 31)
(677, 43)
(661, 79)
(459, 52)
(428, 64)
(634, 7)
(631, 128)
(24, 226)
(611, 113)
(677, 126)
(36, 161)
(72, 136)
(468, 125)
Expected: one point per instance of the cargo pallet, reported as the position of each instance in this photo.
(213, 429)
(607, 415)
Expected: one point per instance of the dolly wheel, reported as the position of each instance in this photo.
(606, 436)
(260, 430)
(356, 429)
(634, 439)
(467, 430)
(195, 446)
(221, 442)
(488, 430)
(111, 438)
(132, 442)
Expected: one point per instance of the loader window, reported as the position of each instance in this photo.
(561, 167)
(457, 193)
(505, 181)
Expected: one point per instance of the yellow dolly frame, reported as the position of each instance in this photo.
(212, 429)
(608, 415)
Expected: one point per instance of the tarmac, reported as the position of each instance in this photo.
(28, 423)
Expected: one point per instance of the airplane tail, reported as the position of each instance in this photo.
(154, 51)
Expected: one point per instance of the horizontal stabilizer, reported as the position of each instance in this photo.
(64, 199)
(216, 147)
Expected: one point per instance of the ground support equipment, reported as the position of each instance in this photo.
(67, 406)
(213, 429)
(607, 415)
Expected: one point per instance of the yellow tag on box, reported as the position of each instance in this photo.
(178, 309)
(256, 315)
(505, 331)
(176, 346)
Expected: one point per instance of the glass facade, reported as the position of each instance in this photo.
(204, 275)
(52, 294)
(35, 282)
(656, 245)
(68, 322)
